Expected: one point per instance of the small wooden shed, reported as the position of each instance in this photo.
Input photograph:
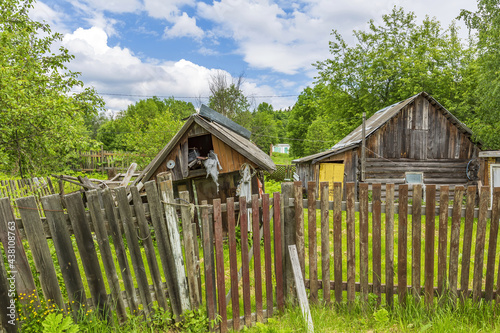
(202, 133)
(414, 141)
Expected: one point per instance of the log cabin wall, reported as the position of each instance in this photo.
(419, 139)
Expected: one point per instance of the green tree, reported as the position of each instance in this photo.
(227, 98)
(146, 126)
(387, 64)
(302, 115)
(264, 129)
(485, 23)
(40, 121)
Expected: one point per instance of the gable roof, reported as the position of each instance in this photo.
(375, 122)
(237, 142)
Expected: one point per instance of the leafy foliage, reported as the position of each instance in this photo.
(485, 22)
(40, 121)
(388, 63)
(146, 126)
(55, 323)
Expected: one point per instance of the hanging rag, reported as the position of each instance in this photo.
(213, 166)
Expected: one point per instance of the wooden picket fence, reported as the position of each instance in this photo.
(103, 160)
(92, 217)
(433, 258)
(434, 244)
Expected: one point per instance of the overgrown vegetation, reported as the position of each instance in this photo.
(414, 317)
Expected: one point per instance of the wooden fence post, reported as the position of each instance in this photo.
(187, 230)
(490, 265)
(289, 233)
(430, 226)
(312, 231)
(208, 261)
(299, 220)
(167, 194)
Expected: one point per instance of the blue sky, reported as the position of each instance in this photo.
(133, 49)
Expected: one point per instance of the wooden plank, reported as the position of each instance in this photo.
(128, 175)
(312, 234)
(256, 258)
(40, 250)
(189, 251)
(163, 244)
(443, 238)
(299, 221)
(490, 264)
(278, 253)
(106, 254)
(167, 195)
(430, 201)
(88, 255)
(65, 252)
(351, 250)
(325, 241)
(233, 263)
(11, 239)
(377, 240)
(389, 244)
(363, 240)
(267, 254)
(208, 262)
(403, 243)
(455, 240)
(480, 240)
(416, 234)
(245, 264)
(134, 249)
(337, 240)
(116, 234)
(301, 289)
(288, 235)
(149, 248)
(219, 250)
(467, 241)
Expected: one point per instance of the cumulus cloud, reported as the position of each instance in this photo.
(184, 26)
(118, 70)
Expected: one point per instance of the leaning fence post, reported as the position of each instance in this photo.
(289, 231)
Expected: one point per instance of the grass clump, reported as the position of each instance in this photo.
(414, 317)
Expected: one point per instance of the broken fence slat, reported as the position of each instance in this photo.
(301, 289)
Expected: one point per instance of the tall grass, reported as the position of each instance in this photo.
(414, 317)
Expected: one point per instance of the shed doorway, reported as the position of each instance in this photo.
(331, 172)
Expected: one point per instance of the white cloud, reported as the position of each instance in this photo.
(118, 70)
(115, 6)
(184, 26)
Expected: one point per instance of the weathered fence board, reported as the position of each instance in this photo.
(256, 256)
(134, 249)
(313, 257)
(40, 250)
(389, 244)
(402, 243)
(337, 240)
(325, 241)
(219, 253)
(86, 248)
(64, 250)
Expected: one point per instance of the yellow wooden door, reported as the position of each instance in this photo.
(331, 172)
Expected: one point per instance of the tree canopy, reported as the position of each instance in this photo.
(41, 121)
(387, 64)
(146, 126)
